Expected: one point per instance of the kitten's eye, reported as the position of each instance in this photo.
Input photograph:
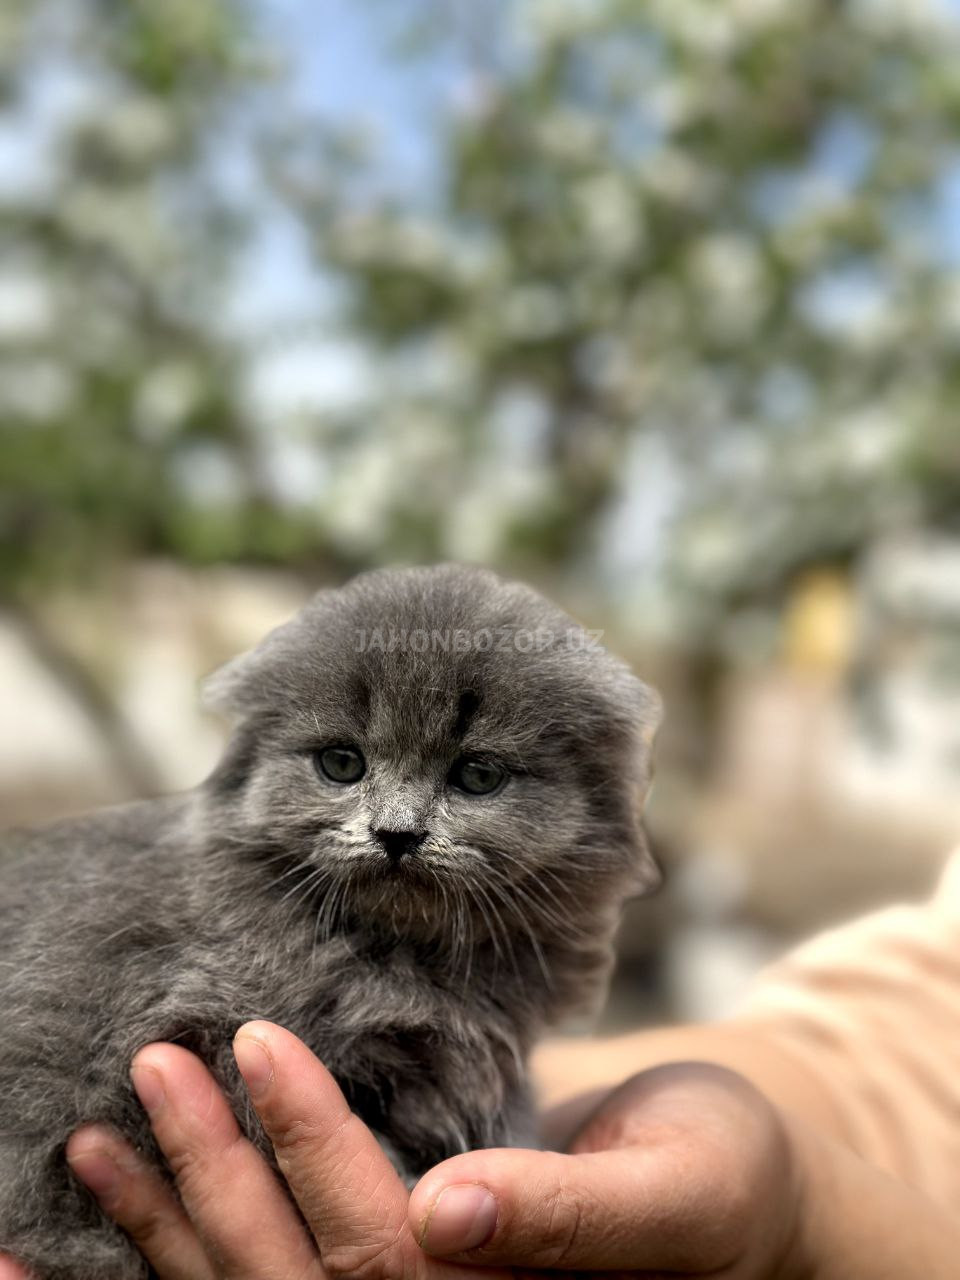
(477, 777)
(340, 764)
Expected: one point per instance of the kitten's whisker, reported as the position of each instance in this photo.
(484, 893)
(284, 855)
(309, 874)
(479, 899)
(524, 924)
(301, 892)
(118, 933)
(466, 943)
(286, 876)
(542, 874)
(448, 915)
(559, 918)
(562, 923)
(332, 905)
(323, 924)
(452, 910)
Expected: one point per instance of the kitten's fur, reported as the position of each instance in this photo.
(263, 894)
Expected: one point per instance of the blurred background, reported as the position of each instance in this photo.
(654, 303)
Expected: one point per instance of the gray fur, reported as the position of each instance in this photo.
(262, 894)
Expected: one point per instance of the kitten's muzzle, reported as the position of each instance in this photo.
(398, 844)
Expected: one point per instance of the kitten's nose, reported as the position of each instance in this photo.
(397, 844)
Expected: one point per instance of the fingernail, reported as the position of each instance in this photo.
(149, 1087)
(463, 1217)
(98, 1172)
(254, 1063)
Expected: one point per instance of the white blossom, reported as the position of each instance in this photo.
(704, 26)
(674, 176)
(610, 214)
(550, 20)
(137, 129)
(37, 390)
(26, 306)
(757, 14)
(125, 221)
(533, 311)
(730, 276)
(567, 134)
(165, 397)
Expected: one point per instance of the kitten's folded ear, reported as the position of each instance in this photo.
(649, 712)
(254, 680)
(649, 717)
(648, 873)
(219, 690)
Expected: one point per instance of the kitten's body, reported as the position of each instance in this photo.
(420, 981)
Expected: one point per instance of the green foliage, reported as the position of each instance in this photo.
(710, 222)
(119, 392)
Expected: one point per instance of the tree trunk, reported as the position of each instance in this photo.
(128, 756)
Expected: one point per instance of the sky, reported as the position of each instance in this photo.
(342, 68)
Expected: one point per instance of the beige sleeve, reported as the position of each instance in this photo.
(857, 1031)
(872, 1010)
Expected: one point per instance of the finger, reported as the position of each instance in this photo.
(345, 1186)
(538, 1209)
(229, 1192)
(137, 1198)
(11, 1270)
(674, 1200)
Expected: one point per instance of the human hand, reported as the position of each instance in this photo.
(685, 1168)
(233, 1218)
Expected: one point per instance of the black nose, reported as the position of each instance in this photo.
(396, 844)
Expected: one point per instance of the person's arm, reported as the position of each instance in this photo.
(570, 1074)
(863, 1224)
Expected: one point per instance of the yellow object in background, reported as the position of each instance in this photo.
(819, 622)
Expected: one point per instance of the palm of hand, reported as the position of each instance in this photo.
(701, 1179)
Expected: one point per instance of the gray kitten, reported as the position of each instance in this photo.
(413, 855)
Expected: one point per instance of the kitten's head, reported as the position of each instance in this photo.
(437, 749)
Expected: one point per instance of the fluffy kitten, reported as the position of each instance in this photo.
(413, 855)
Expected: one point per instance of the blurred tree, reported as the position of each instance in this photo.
(122, 428)
(718, 223)
(712, 224)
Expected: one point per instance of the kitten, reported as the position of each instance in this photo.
(413, 855)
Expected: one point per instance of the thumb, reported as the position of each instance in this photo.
(629, 1209)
